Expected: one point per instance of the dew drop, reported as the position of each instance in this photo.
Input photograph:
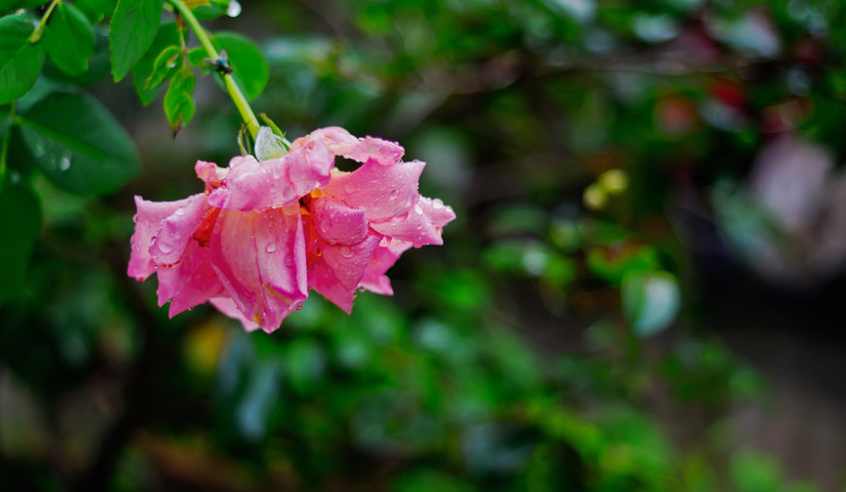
(179, 211)
(270, 248)
(65, 163)
(164, 247)
(437, 204)
(394, 194)
(418, 209)
(37, 146)
(347, 252)
(233, 9)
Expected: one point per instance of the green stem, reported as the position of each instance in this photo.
(231, 87)
(39, 31)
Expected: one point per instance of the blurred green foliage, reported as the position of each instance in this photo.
(550, 345)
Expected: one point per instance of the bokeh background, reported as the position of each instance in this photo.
(642, 291)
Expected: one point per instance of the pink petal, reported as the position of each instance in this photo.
(176, 230)
(438, 213)
(322, 279)
(253, 185)
(415, 227)
(190, 282)
(228, 307)
(384, 191)
(212, 175)
(338, 224)
(340, 142)
(384, 257)
(260, 259)
(147, 222)
(338, 274)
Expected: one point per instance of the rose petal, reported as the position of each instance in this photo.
(415, 227)
(177, 229)
(340, 270)
(190, 282)
(340, 142)
(384, 191)
(438, 213)
(253, 185)
(228, 307)
(338, 224)
(384, 257)
(212, 175)
(260, 260)
(147, 222)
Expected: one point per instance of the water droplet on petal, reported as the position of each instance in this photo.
(179, 211)
(270, 248)
(347, 252)
(437, 204)
(394, 194)
(418, 209)
(164, 247)
(233, 9)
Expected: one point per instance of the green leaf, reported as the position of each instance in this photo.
(165, 36)
(20, 60)
(95, 10)
(70, 39)
(249, 67)
(163, 67)
(78, 145)
(197, 58)
(21, 4)
(132, 32)
(651, 301)
(20, 221)
(179, 99)
(99, 66)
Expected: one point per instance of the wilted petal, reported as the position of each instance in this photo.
(260, 259)
(253, 185)
(338, 274)
(338, 224)
(147, 222)
(384, 191)
(386, 254)
(228, 307)
(177, 229)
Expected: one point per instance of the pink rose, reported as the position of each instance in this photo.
(263, 232)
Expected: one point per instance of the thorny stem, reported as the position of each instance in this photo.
(39, 31)
(231, 87)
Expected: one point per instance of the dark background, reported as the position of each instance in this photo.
(643, 289)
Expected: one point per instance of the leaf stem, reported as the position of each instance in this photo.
(39, 31)
(231, 87)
